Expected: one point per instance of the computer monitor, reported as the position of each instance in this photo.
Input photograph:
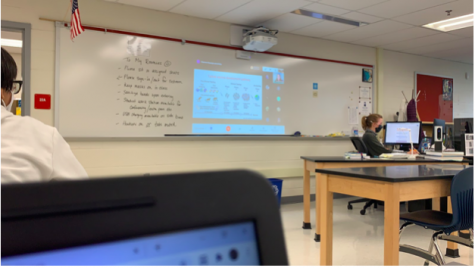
(212, 218)
(462, 126)
(397, 133)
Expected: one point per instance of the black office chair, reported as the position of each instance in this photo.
(359, 145)
(361, 148)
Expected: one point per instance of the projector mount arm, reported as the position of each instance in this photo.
(260, 29)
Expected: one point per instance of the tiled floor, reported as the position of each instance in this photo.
(357, 239)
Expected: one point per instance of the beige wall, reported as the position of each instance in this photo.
(399, 69)
(108, 158)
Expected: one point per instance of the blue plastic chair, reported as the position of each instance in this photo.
(443, 223)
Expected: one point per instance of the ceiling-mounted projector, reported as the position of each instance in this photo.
(259, 39)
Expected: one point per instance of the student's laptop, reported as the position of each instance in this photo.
(211, 218)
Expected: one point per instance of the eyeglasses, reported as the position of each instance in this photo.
(16, 87)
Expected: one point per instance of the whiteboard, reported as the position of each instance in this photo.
(121, 86)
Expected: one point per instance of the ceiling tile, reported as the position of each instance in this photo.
(455, 45)
(290, 22)
(258, 11)
(361, 17)
(351, 4)
(207, 9)
(394, 8)
(393, 37)
(467, 32)
(462, 55)
(459, 8)
(378, 28)
(423, 41)
(163, 5)
(329, 10)
(323, 28)
(462, 59)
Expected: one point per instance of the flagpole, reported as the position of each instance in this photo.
(69, 10)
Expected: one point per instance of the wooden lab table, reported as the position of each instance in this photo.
(391, 184)
(311, 163)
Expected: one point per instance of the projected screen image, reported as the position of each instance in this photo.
(250, 102)
(278, 78)
(224, 95)
(234, 244)
(397, 133)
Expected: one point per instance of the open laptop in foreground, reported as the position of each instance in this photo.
(210, 218)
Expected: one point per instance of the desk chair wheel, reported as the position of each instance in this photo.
(350, 207)
(363, 211)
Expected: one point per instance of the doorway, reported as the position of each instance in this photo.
(16, 39)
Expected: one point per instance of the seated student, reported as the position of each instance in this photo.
(31, 150)
(373, 124)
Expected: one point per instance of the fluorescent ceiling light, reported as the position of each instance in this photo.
(452, 24)
(321, 16)
(11, 43)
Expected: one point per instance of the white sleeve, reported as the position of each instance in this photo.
(65, 164)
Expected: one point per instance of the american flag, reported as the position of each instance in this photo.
(76, 26)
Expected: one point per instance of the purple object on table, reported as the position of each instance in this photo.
(411, 111)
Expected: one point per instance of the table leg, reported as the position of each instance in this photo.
(318, 208)
(326, 222)
(452, 248)
(436, 203)
(391, 225)
(306, 197)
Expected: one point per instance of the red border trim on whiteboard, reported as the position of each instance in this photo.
(219, 46)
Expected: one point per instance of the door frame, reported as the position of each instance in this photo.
(25, 30)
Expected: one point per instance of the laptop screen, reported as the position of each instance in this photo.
(234, 244)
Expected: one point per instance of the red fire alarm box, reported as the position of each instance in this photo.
(43, 101)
